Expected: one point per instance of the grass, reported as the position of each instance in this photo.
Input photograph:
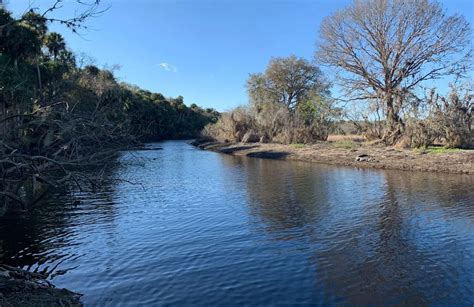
(347, 144)
(298, 145)
(437, 150)
(346, 137)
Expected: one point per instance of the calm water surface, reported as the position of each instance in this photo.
(204, 228)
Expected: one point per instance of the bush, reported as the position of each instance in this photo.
(452, 117)
(274, 122)
(231, 126)
(448, 120)
(418, 133)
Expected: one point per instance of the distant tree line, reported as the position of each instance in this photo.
(58, 117)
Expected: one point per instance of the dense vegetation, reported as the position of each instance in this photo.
(57, 117)
(385, 55)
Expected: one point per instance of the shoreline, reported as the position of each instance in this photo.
(23, 288)
(361, 156)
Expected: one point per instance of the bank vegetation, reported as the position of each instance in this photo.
(386, 56)
(60, 117)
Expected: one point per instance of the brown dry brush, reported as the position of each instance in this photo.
(288, 103)
(271, 123)
(368, 121)
(452, 118)
(56, 147)
(441, 119)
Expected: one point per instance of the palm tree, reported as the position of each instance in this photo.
(55, 44)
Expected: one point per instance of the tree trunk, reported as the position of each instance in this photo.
(394, 124)
(40, 84)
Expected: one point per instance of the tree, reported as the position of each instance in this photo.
(35, 22)
(55, 44)
(57, 119)
(19, 40)
(386, 49)
(89, 9)
(288, 81)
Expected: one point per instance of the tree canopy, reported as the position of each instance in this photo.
(288, 81)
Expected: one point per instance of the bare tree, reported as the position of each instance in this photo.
(385, 49)
(89, 9)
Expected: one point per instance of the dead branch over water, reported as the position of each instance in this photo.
(59, 120)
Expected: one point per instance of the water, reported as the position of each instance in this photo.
(205, 228)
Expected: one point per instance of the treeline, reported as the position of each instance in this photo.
(385, 55)
(38, 71)
(56, 117)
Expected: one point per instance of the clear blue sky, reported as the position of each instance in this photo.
(201, 49)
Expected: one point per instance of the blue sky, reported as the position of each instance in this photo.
(203, 50)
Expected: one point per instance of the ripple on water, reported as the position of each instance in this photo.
(203, 228)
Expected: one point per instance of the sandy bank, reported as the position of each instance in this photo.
(370, 156)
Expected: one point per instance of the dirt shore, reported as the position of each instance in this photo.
(22, 288)
(360, 155)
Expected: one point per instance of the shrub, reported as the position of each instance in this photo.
(231, 126)
(452, 117)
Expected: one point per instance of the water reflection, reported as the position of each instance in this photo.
(208, 229)
(42, 239)
(377, 237)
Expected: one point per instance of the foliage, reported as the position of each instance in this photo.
(298, 145)
(57, 118)
(287, 81)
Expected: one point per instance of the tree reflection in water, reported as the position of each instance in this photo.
(40, 240)
(369, 235)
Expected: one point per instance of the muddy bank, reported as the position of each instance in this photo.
(361, 155)
(22, 288)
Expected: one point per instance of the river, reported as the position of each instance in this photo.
(193, 227)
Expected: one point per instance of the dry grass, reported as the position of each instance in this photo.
(346, 137)
(347, 144)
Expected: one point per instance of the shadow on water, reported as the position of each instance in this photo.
(268, 154)
(31, 239)
(377, 237)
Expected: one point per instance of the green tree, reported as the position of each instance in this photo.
(287, 81)
(55, 44)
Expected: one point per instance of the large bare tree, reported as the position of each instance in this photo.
(386, 49)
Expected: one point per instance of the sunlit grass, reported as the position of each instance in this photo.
(347, 144)
(437, 150)
(298, 145)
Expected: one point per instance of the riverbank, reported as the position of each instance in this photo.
(362, 155)
(23, 288)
